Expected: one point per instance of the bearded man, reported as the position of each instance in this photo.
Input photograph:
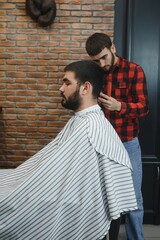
(75, 186)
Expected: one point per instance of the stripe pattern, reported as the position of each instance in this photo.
(72, 188)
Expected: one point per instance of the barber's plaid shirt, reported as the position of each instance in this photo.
(129, 87)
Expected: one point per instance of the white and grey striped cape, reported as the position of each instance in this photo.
(72, 188)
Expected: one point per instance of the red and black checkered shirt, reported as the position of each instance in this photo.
(130, 88)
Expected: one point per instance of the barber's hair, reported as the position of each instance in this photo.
(97, 42)
(88, 71)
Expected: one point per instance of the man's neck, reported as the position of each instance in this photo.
(86, 105)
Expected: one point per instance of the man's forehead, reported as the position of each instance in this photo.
(69, 75)
(101, 54)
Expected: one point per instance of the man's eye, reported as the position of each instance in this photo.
(104, 57)
(67, 83)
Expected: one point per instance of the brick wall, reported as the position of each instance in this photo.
(32, 59)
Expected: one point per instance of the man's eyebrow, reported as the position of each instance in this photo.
(65, 80)
(96, 60)
(103, 55)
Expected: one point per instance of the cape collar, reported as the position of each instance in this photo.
(87, 110)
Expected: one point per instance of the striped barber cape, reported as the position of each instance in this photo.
(72, 188)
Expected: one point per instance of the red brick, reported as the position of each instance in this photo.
(32, 62)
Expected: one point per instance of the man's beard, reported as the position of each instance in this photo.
(73, 102)
(112, 63)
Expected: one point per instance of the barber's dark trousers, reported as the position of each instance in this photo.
(114, 229)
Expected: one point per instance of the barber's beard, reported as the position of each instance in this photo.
(73, 102)
(112, 63)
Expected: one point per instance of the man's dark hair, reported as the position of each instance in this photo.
(88, 70)
(97, 42)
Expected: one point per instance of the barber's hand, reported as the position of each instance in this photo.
(109, 103)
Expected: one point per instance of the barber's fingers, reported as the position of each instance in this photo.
(104, 100)
(102, 95)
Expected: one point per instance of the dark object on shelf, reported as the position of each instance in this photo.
(42, 11)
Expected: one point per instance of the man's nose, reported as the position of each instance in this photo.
(102, 62)
(61, 89)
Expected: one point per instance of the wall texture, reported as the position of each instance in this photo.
(32, 60)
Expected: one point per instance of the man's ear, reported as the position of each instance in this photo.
(113, 48)
(86, 88)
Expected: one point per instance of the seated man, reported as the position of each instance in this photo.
(79, 182)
